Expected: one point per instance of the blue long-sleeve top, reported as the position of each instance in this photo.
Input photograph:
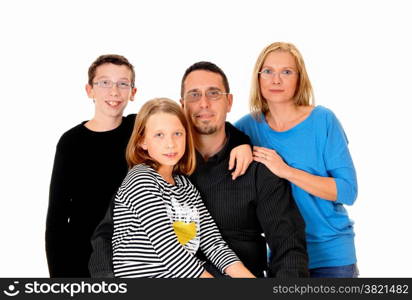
(317, 145)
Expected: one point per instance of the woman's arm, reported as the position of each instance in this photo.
(340, 185)
(322, 187)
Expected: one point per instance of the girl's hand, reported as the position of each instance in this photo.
(206, 274)
(272, 161)
(238, 270)
(243, 157)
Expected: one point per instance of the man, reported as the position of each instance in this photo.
(256, 203)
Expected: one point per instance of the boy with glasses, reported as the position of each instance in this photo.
(89, 166)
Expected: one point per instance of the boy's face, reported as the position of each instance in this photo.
(111, 101)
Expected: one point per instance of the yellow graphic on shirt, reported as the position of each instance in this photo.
(184, 231)
(185, 221)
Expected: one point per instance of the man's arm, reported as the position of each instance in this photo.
(214, 247)
(282, 224)
(101, 259)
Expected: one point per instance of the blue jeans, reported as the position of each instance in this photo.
(349, 271)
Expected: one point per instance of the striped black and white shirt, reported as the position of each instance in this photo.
(158, 227)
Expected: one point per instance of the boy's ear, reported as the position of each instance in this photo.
(89, 91)
(134, 90)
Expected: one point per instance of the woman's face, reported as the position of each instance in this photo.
(165, 139)
(278, 77)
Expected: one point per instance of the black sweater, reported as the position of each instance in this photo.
(255, 203)
(88, 168)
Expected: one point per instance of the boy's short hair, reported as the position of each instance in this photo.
(110, 59)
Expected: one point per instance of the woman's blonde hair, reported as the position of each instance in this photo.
(135, 154)
(303, 94)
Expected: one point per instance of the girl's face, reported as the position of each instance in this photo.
(165, 139)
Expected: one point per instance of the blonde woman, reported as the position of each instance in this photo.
(160, 221)
(306, 145)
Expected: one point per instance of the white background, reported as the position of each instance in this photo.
(358, 55)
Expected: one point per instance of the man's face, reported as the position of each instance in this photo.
(208, 116)
(111, 101)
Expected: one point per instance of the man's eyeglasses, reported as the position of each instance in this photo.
(212, 95)
(108, 84)
(269, 73)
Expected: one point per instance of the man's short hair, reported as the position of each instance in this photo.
(110, 59)
(205, 66)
